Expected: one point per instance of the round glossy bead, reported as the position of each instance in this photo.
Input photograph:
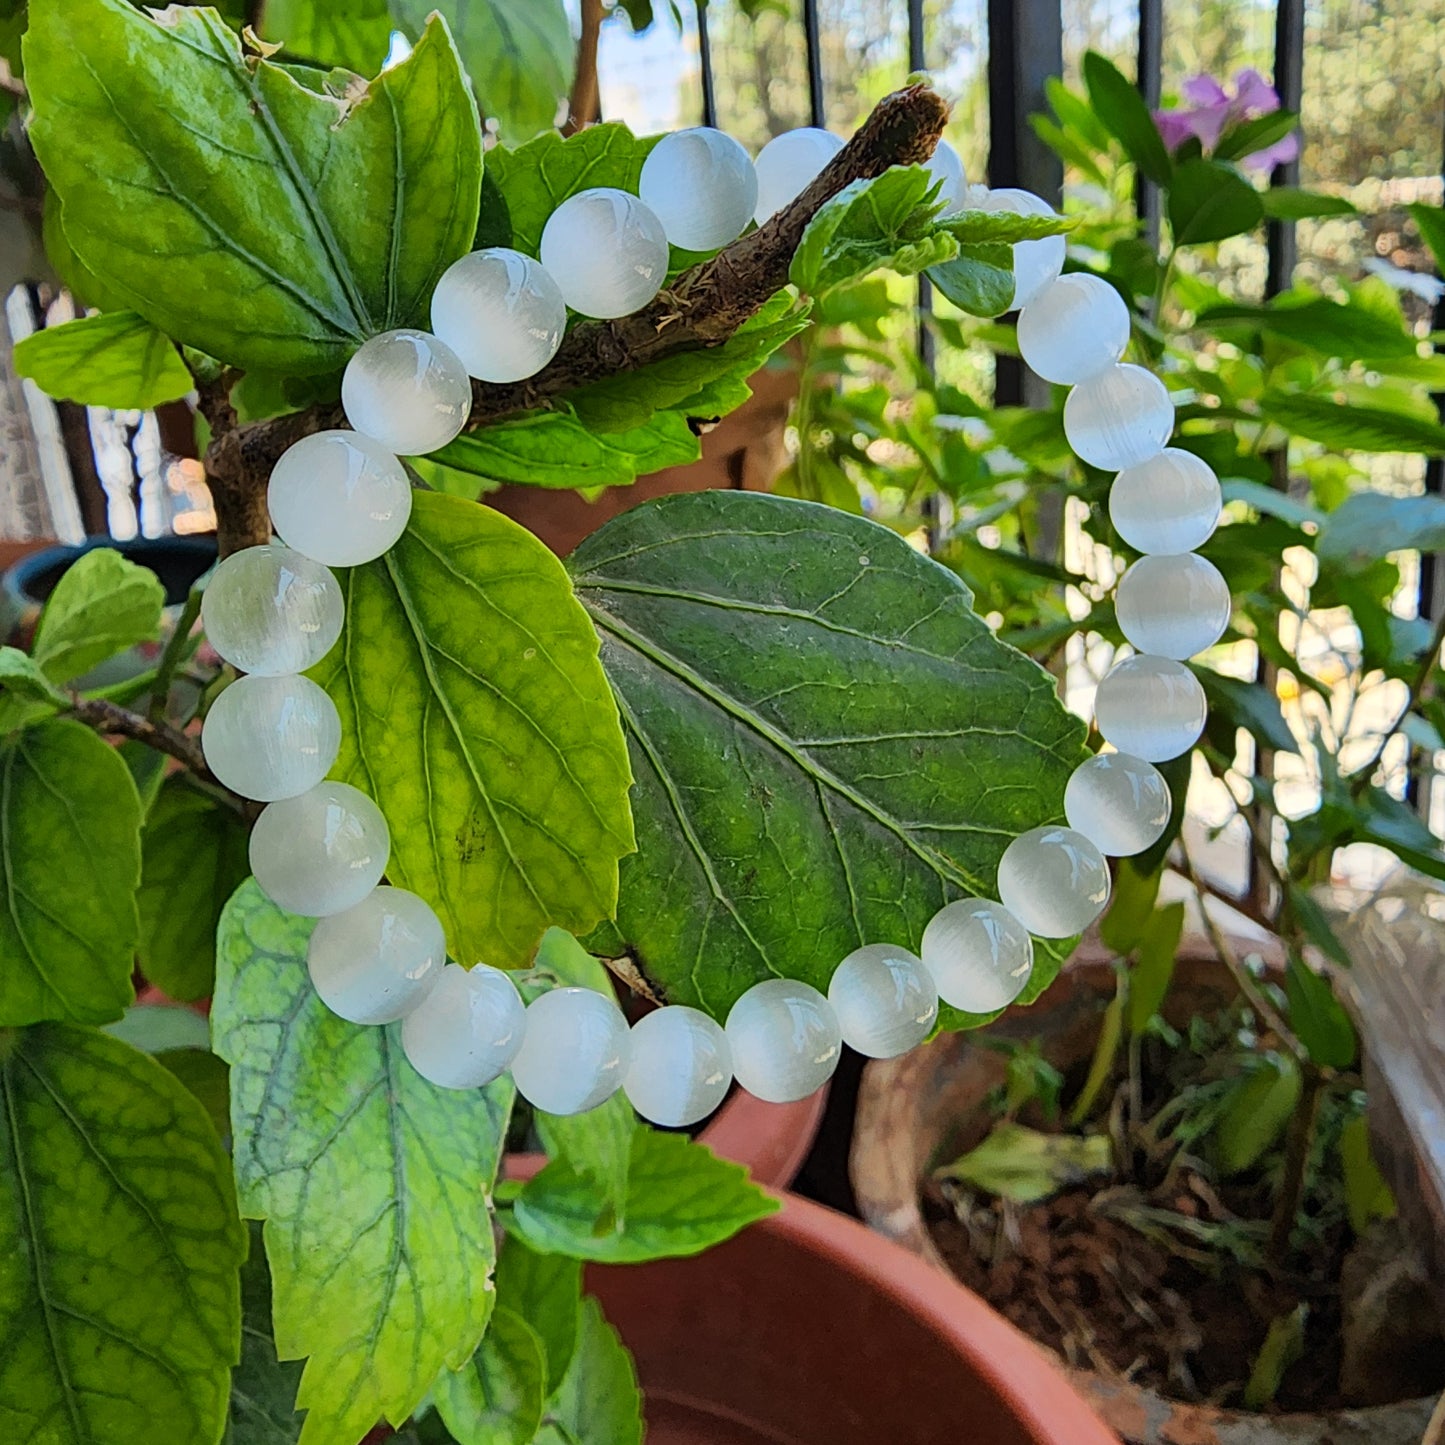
(501, 312)
(379, 960)
(467, 1030)
(785, 1040)
(1054, 881)
(575, 1053)
(701, 185)
(1119, 418)
(271, 611)
(320, 853)
(885, 1000)
(945, 166)
(407, 390)
(1152, 707)
(681, 1066)
(1073, 329)
(788, 163)
(606, 250)
(979, 954)
(271, 737)
(1118, 802)
(339, 498)
(1036, 263)
(1173, 606)
(1167, 505)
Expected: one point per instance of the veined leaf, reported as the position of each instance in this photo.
(497, 1397)
(1351, 427)
(1211, 201)
(546, 1290)
(482, 725)
(1119, 105)
(115, 359)
(103, 604)
(355, 35)
(374, 1184)
(979, 280)
(1330, 327)
(598, 1402)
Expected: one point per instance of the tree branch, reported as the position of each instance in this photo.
(108, 717)
(703, 308)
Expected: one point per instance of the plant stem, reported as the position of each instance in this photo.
(1298, 1144)
(171, 655)
(584, 105)
(117, 721)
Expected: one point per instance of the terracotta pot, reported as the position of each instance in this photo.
(744, 451)
(807, 1329)
(930, 1106)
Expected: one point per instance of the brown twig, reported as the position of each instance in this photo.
(110, 718)
(585, 103)
(703, 308)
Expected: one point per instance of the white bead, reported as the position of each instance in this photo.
(606, 250)
(979, 954)
(1152, 707)
(1173, 606)
(379, 960)
(1073, 329)
(468, 1030)
(701, 185)
(1118, 802)
(681, 1066)
(1036, 263)
(575, 1052)
(270, 611)
(501, 312)
(945, 166)
(407, 390)
(1119, 418)
(339, 498)
(785, 1040)
(788, 164)
(1054, 881)
(320, 853)
(271, 737)
(1167, 505)
(885, 1000)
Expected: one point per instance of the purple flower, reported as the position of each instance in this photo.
(1211, 110)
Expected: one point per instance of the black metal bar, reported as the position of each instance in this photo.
(917, 51)
(918, 60)
(704, 55)
(1289, 72)
(817, 113)
(1150, 69)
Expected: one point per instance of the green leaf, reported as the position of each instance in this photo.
(597, 1144)
(1290, 203)
(156, 1028)
(115, 360)
(1367, 525)
(1257, 1112)
(979, 280)
(681, 1199)
(26, 694)
(561, 960)
(546, 1291)
(554, 449)
(1122, 109)
(1350, 426)
(207, 1078)
(829, 743)
(70, 844)
(598, 1402)
(1333, 328)
(1255, 135)
(497, 1397)
(102, 605)
(1431, 222)
(1318, 1018)
(1025, 1166)
(193, 857)
(373, 1183)
(120, 1317)
(506, 789)
(1272, 502)
(1210, 201)
(263, 1387)
(885, 221)
(355, 35)
(1153, 969)
(1001, 227)
(237, 210)
(1283, 1345)
(1131, 905)
(1248, 705)
(1367, 1195)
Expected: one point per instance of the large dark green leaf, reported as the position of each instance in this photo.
(236, 209)
(829, 743)
(1210, 201)
(355, 35)
(475, 712)
(546, 1290)
(1351, 427)
(120, 1314)
(1121, 107)
(374, 1184)
(263, 1388)
(1318, 1018)
(70, 847)
(102, 605)
(115, 359)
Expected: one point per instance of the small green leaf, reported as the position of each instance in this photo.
(1350, 426)
(1283, 1345)
(1248, 705)
(115, 360)
(507, 792)
(681, 1199)
(1272, 502)
(497, 1397)
(1255, 135)
(263, 1387)
(598, 1403)
(373, 1183)
(1367, 1195)
(102, 605)
(562, 960)
(120, 1318)
(1210, 201)
(979, 280)
(193, 857)
(1153, 969)
(597, 1144)
(1025, 1166)
(546, 1291)
(26, 694)
(1122, 109)
(1318, 1018)
(1131, 906)
(1431, 221)
(1001, 227)
(156, 1028)
(1290, 203)
(70, 842)
(1367, 525)
(1257, 1112)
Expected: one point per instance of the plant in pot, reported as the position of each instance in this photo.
(689, 752)
(1166, 1174)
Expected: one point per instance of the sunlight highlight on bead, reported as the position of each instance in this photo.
(885, 1000)
(1173, 606)
(406, 390)
(575, 1053)
(606, 251)
(701, 185)
(1167, 505)
(788, 163)
(270, 738)
(1152, 707)
(501, 312)
(785, 1040)
(468, 1030)
(681, 1066)
(979, 954)
(1054, 881)
(1036, 263)
(1118, 802)
(270, 611)
(1118, 418)
(377, 961)
(1073, 329)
